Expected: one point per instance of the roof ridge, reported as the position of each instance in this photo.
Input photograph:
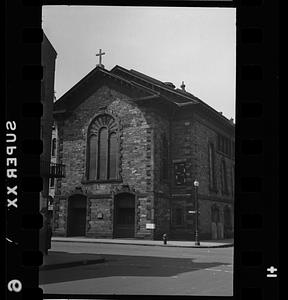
(151, 80)
(147, 76)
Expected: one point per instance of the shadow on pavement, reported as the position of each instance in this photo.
(126, 265)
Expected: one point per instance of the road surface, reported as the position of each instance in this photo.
(144, 270)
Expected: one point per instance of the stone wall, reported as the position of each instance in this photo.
(141, 130)
(189, 145)
(203, 134)
(161, 184)
(144, 215)
(100, 217)
(182, 150)
(137, 166)
(59, 217)
(162, 216)
(134, 132)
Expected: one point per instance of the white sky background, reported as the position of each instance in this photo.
(194, 45)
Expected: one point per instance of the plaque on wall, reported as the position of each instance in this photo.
(150, 226)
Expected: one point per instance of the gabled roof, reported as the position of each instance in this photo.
(146, 86)
(70, 100)
(176, 96)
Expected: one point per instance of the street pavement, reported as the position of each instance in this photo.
(169, 243)
(59, 259)
(134, 269)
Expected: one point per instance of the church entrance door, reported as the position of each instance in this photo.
(76, 215)
(124, 215)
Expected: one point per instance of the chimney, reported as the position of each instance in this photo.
(232, 120)
(183, 86)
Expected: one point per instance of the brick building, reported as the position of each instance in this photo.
(132, 147)
(48, 58)
(47, 171)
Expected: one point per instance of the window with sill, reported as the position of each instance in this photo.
(223, 174)
(53, 150)
(178, 216)
(233, 179)
(102, 149)
(211, 163)
(164, 162)
(179, 174)
(215, 214)
(224, 145)
(52, 181)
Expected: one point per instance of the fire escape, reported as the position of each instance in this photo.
(51, 170)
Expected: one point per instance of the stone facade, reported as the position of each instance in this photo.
(137, 164)
(190, 139)
(152, 141)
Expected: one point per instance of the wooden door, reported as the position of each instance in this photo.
(76, 216)
(124, 224)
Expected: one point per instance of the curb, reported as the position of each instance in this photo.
(160, 245)
(72, 264)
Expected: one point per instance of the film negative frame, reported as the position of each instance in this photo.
(256, 254)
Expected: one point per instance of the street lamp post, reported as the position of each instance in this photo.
(196, 185)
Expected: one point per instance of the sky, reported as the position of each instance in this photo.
(194, 45)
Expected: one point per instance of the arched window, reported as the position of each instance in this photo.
(102, 152)
(103, 155)
(113, 156)
(164, 165)
(211, 162)
(215, 214)
(223, 174)
(227, 216)
(178, 216)
(92, 146)
(53, 150)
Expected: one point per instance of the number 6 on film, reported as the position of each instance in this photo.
(15, 285)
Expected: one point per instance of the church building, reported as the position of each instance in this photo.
(132, 147)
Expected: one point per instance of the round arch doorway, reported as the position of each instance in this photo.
(76, 215)
(124, 215)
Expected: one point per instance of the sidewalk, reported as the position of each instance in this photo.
(56, 260)
(188, 244)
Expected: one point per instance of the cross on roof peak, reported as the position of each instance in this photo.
(100, 58)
